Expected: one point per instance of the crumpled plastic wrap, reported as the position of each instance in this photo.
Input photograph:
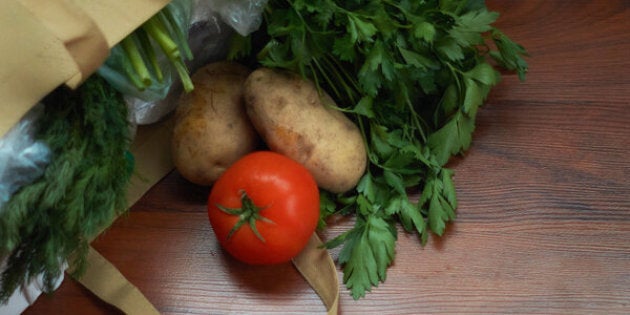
(244, 16)
(22, 158)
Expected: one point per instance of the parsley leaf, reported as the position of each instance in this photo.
(509, 54)
(470, 27)
(368, 251)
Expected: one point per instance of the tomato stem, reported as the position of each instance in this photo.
(248, 213)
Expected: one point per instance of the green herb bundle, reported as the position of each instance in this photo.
(412, 74)
(83, 189)
(138, 63)
(170, 34)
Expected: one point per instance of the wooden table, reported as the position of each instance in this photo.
(543, 222)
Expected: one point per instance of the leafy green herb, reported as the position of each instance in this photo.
(83, 189)
(412, 75)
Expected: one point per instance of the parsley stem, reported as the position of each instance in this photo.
(183, 74)
(130, 48)
(132, 75)
(417, 120)
(157, 27)
(330, 83)
(147, 47)
(342, 78)
(178, 32)
(343, 70)
(157, 31)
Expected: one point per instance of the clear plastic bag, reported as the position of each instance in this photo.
(22, 158)
(117, 64)
(244, 16)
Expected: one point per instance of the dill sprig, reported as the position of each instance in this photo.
(51, 221)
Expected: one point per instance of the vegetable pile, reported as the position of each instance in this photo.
(411, 75)
(396, 82)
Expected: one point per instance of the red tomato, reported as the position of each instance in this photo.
(264, 208)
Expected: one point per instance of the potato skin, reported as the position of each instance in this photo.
(212, 129)
(291, 117)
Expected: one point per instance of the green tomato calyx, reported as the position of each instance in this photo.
(248, 213)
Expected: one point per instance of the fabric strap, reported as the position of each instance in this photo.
(318, 268)
(106, 282)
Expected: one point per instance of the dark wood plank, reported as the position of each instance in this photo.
(543, 222)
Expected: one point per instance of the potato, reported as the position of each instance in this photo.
(211, 128)
(294, 119)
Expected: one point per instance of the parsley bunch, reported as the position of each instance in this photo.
(412, 75)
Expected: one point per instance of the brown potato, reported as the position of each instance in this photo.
(211, 128)
(293, 118)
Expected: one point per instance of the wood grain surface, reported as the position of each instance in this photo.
(543, 222)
